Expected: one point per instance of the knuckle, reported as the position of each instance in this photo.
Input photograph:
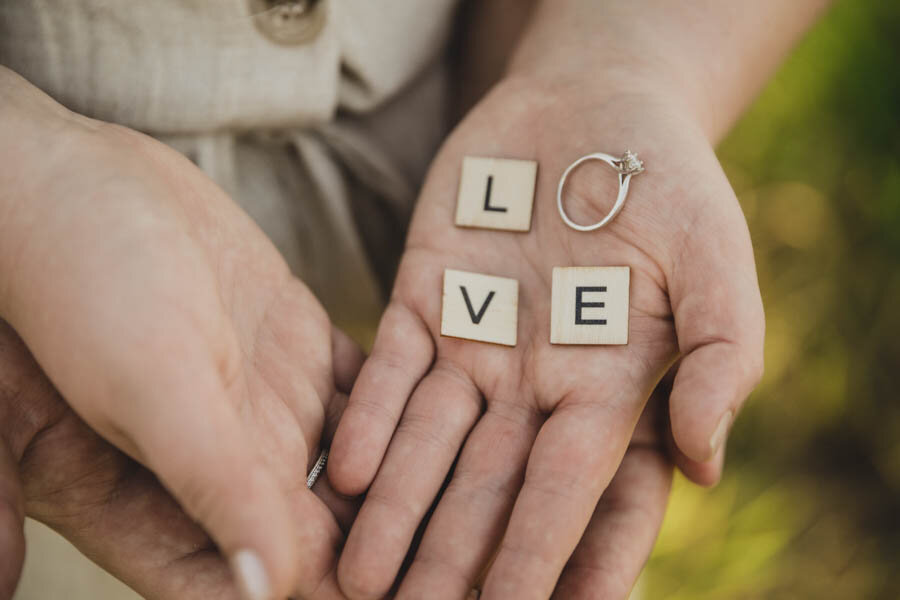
(372, 409)
(357, 584)
(479, 489)
(521, 417)
(392, 362)
(603, 581)
(426, 431)
(430, 561)
(402, 328)
(404, 507)
(531, 558)
(558, 483)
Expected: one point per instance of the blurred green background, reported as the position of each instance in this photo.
(810, 503)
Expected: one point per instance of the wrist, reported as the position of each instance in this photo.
(37, 135)
(612, 96)
(596, 60)
(559, 121)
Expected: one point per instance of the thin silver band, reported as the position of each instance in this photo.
(317, 469)
(627, 166)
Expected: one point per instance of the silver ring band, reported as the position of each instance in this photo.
(627, 166)
(317, 469)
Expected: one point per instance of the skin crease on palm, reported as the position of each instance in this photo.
(568, 412)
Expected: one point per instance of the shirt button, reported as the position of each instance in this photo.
(288, 22)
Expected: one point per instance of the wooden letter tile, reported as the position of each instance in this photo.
(590, 305)
(480, 307)
(496, 193)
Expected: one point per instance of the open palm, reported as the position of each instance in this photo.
(543, 428)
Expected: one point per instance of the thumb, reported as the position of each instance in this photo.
(139, 345)
(720, 326)
(174, 405)
(185, 426)
(12, 520)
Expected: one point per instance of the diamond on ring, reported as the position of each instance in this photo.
(630, 164)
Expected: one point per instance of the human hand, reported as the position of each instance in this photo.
(622, 531)
(567, 412)
(56, 469)
(174, 329)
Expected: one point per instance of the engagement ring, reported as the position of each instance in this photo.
(627, 167)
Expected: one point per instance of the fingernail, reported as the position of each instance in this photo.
(718, 436)
(250, 574)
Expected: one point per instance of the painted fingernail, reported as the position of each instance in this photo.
(718, 436)
(250, 574)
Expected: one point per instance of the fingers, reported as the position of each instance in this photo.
(135, 529)
(720, 326)
(440, 413)
(655, 428)
(12, 520)
(160, 375)
(574, 457)
(622, 530)
(179, 415)
(334, 410)
(342, 507)
(164, 554)
(176, 416)
(131, 526)
(276, 544)
(347, 358)
(470, 518)
(706, 473)
(120, 516)
(221, 481)
(402, 353)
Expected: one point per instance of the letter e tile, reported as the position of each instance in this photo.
(590, 305)
(480, 307)
(496, 193)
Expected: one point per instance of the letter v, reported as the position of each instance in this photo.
(476, 318)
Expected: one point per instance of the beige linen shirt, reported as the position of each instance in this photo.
(318, 116)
